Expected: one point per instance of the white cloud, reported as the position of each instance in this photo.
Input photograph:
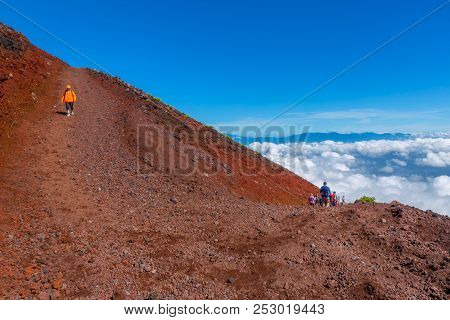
(399, 162)
(442, 185)
(387, 169)
(435, 159)
(370, 168)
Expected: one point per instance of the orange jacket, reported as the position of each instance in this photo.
(69, 96)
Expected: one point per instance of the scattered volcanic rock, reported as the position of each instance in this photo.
(230, 280)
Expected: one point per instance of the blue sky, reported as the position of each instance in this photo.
(242, 62)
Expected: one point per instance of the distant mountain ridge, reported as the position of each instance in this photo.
(324, 136)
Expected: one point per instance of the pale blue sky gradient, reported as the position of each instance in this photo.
(242, 62)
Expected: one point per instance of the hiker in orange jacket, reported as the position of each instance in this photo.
(69, 97)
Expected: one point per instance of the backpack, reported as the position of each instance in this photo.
(325, 191)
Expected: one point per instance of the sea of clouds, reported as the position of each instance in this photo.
(414, 171)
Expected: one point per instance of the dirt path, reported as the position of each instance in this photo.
(53, 189)
(63, 192)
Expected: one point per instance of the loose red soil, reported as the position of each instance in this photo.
(27, 74)
(91, 209)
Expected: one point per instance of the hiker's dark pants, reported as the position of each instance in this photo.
(325, 201)
(69, 105)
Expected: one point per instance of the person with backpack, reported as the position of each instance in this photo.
(325, 192)
(312, 200)
(69, 98)
(333, 199)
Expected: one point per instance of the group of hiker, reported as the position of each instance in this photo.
(326, 198)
